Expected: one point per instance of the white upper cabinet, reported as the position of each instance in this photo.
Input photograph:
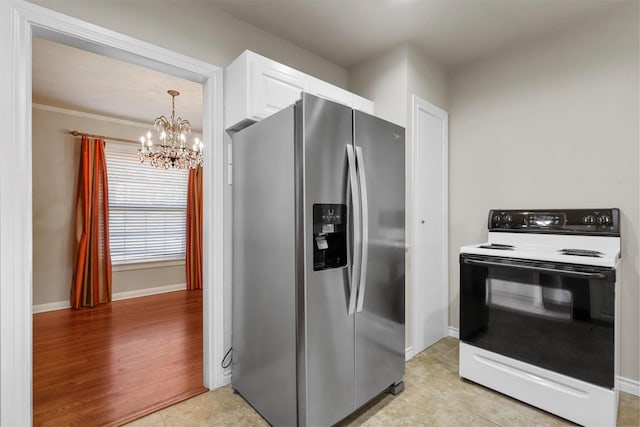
(256, 87)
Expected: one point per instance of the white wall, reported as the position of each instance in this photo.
(553, 124)
(383, 79)
(56, 158)
(200, 30)
(426, 78)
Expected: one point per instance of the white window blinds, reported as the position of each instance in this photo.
(147, 208)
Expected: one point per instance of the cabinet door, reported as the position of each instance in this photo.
(274, 87)
(256, 87)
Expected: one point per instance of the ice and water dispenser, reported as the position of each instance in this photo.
(329, 236)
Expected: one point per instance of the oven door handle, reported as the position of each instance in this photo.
(585, 275)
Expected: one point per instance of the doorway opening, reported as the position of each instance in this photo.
(97, 355)
(20, 22)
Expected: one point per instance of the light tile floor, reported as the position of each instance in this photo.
(434, 395)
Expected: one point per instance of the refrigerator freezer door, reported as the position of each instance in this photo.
(380, 325)
(326, 392)
(264, 291)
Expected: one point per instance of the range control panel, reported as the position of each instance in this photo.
(559, 221)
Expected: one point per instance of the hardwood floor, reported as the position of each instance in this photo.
(116, 362)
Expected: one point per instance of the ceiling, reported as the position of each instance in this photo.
(452, 32)
(76, 79)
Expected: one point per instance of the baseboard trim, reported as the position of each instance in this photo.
(409, 353)
(628, 385)
(52, 306)
(148, 291)
(454, 332)
(62, 305)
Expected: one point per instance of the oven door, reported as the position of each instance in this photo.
(556, 316)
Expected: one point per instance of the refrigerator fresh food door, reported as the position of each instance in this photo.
(326, 389)
(380, 316)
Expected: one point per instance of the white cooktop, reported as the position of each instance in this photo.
(547, 247)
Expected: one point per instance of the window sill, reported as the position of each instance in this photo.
(147, 265)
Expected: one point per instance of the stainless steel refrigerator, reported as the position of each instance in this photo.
(318, 262)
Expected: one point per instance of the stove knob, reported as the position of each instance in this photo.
(604, 219)
(507, 218)
(589, 219)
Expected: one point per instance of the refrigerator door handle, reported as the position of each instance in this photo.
(356, 243)
(365, 227)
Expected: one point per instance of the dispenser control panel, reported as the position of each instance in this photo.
(329, 236)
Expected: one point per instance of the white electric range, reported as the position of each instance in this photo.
(538, 304)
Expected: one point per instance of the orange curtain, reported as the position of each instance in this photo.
(194, 230)
(92, 275)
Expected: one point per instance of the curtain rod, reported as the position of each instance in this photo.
(111, 138)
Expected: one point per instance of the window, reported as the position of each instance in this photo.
(147, 208)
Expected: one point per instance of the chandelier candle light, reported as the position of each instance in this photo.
(171, 152)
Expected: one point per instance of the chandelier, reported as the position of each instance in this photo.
(171, 150)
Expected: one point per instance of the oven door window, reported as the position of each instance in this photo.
(517, 290)
(561, 319)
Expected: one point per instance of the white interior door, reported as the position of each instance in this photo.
(429, 260)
